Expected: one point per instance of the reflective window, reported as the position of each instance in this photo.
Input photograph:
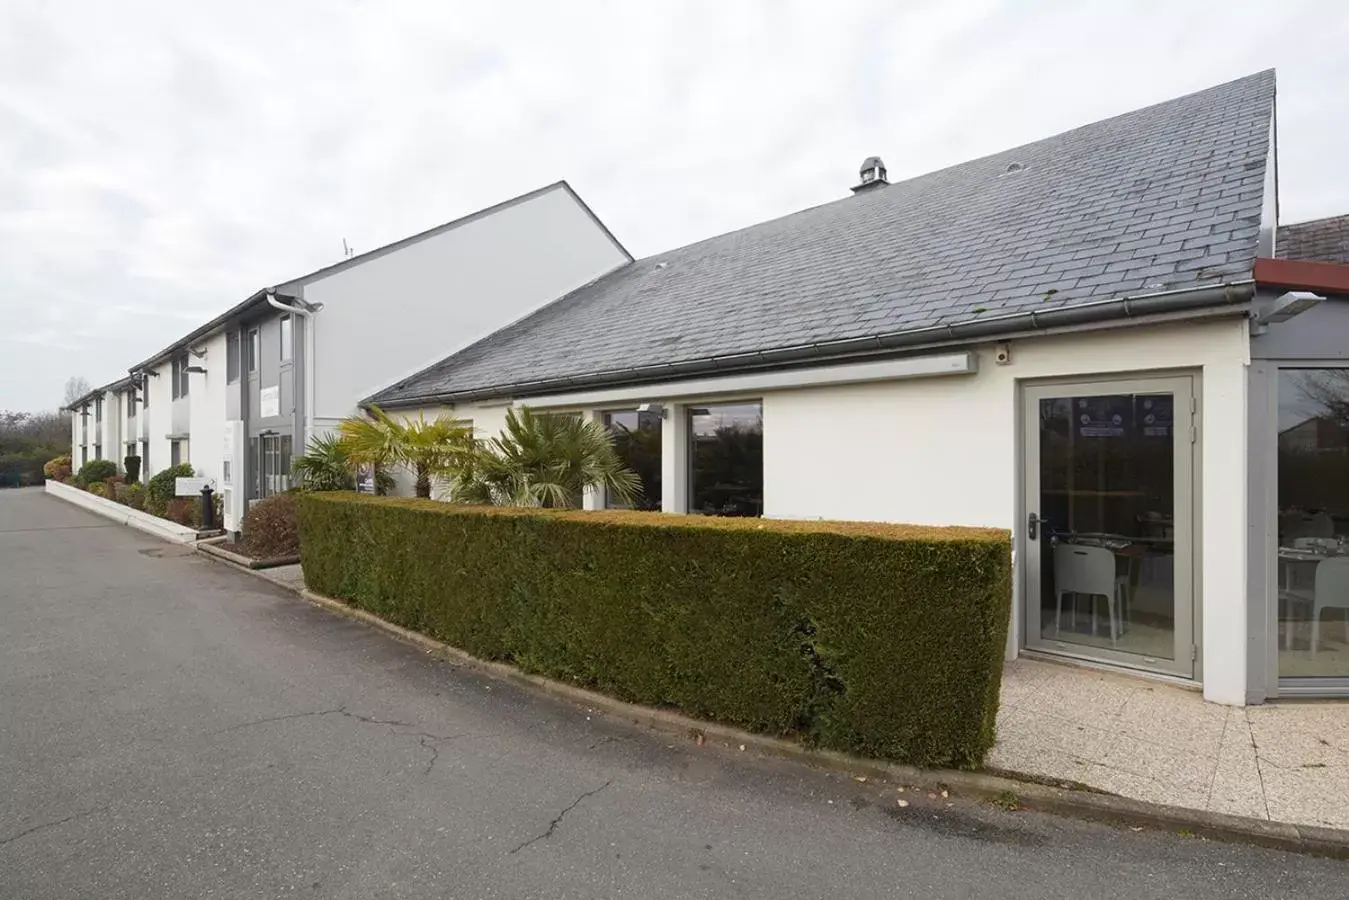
(637, 441)
(232, 357)
(254, 349)
(285, 338)
(726, 459)
(1312, 556)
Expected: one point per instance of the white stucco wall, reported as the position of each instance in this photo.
(395, 314)
(206, 415)
(158, 419)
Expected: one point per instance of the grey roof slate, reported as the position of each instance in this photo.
(1326, 240)
(1163, 198)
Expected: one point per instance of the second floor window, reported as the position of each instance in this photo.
(232, 357)
(130, 402)
(180, 377)
(254, 350)
(286, 345)
(98, 411)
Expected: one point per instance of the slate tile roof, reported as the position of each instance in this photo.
(1161, 199)
(1326, 240)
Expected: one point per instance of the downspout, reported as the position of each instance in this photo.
(306, 310)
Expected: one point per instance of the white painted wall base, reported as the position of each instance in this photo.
(123, 515)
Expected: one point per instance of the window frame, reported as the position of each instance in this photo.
(686, 410)
(253, 349)
(604, 414)
(233, 366)
(286, 338)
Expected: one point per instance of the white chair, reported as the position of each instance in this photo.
(1331, 591)
(1090, 571)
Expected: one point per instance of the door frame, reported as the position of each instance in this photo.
(1187, 562)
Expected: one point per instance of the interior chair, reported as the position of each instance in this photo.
(1090, 571)
(1331, 591)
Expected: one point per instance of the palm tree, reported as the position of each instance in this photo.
(544, 460)
(325, 466)
(429, 449)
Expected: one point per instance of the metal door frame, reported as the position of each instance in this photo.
(1185, 388)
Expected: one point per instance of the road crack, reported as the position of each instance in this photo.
(46, 825)
(426, 739)
(557, 820)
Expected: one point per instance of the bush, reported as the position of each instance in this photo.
(161, 488)
(95, 470)
(98, 489)
(133, 495)
(58, 468)
(132, 466)
(270, 528)
(880, 640)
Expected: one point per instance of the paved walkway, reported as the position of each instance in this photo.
(173, 727)
(1130, 736)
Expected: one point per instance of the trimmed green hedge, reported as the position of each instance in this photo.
(879, 640)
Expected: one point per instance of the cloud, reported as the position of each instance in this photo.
(160, 161)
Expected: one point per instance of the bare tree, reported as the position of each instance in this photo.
(76, 387)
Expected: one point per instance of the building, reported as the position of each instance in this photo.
(1088, 340)
(239, 396)
(99, 424)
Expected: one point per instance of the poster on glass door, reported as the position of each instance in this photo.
(1109, 416)
(1156, 415)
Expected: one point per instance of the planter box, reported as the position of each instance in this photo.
(125, 515)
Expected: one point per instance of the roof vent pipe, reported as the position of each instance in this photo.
(872, 174)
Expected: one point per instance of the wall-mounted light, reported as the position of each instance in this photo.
(198, 370)
(1283, 308)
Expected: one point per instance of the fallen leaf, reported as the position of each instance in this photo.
(861, 779)
(700, 739)
(742, 746)
(1135, 827)
(902, 802)
(945, 794)
(900, 789)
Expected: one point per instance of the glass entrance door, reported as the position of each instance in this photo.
(1109, 521)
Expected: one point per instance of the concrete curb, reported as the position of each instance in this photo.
(212, 548)
(1004, 789)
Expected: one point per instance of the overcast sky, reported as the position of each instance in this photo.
(159, 162)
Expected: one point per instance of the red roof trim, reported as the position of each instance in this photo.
(1302, 275)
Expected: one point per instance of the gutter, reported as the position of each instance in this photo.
(1232, 296)
(306, 310)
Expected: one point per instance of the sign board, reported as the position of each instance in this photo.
(189, 487)
(1157, 415)
(365, 479)
(1107, 416)
(269, 402)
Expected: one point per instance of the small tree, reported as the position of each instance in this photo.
(545, 460)
(430, 450)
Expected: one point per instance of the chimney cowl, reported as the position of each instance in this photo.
(872, 174)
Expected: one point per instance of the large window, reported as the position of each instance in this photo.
(637, 441)
(131, 405)
(1312, 557)
(286, 343)
(254, 350)
(180, 377)
(98, 411)
(726, 459)
(232, 357)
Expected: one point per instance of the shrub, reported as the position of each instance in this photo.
(161, 488)
(270, 528)
(873, 639)
(133, 495)
(182, 510)
(57, 468)
(132, 466)
(98, 489)
(95, 470)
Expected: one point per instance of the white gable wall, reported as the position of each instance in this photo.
(395, 314)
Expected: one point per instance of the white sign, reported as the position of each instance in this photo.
(269, 402)
(189, 487)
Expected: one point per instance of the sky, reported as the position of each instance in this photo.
(160, 161)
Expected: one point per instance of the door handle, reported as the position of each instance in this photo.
(1033, 524)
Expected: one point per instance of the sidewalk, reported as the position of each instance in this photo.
(1284, 762)
(1147, 741)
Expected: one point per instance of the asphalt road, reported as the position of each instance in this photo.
(170, 727)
